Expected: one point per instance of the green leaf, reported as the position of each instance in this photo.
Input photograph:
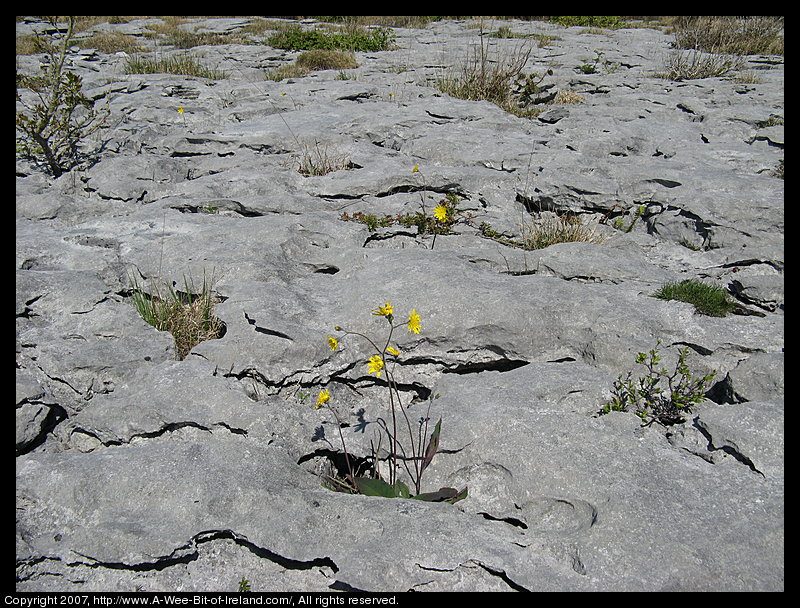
(450, 495)
(401, 490)
(376, 487)
(369, 486)
(459, 496)
(433, 446)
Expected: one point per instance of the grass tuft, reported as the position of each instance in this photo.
(314, 60)
(730, 35)
(188, 315)
(483, 77)
(559, 229)
(707, 299)
(318, 159)
(693, 65)
(184, 65)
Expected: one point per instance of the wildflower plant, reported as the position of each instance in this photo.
(440, 221)
(415, 454)
(647, 397)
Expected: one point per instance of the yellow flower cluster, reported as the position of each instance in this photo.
(322, 398)
(414, 322)
(384, 311)
(376, 363)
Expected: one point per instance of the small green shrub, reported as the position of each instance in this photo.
(505, 32)
(707, 299)
(295, 38)
(589, 66)
(52, 128)
(619, 223)
(649, 399)
(590, 21)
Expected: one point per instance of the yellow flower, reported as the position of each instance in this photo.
(392, 351)
(332, 342)
(414, 322)
(375, 364)
(384, 311)
(180, 109)
(440, 213)
(415, 169)
(322, 398)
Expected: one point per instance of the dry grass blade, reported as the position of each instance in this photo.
(692, 65)
(730, 35)
(483, 77)
(317, 159)
(559, 229)
(188, 316)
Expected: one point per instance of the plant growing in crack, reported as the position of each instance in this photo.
(416, 455)
(57, 117)
(650, 401)
(444, 213)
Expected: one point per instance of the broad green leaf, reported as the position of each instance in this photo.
(450, 495)
(401, 490)
(375, 487)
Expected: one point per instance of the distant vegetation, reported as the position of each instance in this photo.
(709, 47)
(309, 61)
(349, 38)
(730, 35)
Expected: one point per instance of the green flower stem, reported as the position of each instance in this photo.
(351, 477)
(391, 386)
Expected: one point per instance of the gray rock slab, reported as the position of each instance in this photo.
(752, 432)
(136, 471)
(194, 492)
(559, 495)
(758, 377)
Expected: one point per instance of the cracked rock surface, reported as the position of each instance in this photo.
(137, 471)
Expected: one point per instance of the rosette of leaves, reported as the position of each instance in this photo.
(371, 486)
